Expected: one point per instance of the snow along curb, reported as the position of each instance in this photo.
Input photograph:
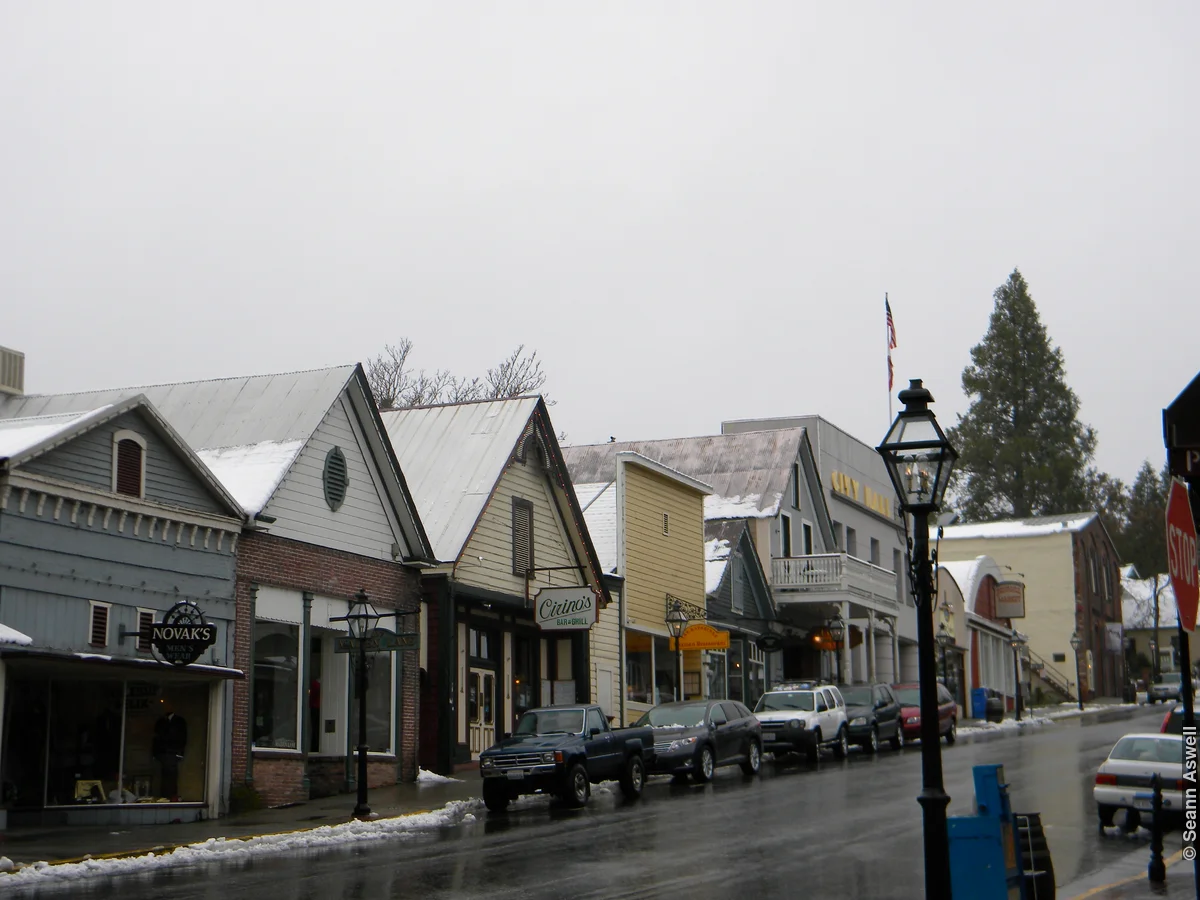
(453, 813)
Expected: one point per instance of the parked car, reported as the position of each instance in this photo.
(1167, 688)
(909, 696)
(1123, 780)
(804, 717)
(873, 715)
(1172, 722)
(696, 736)
(563, 750)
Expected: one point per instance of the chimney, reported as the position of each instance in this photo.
(12, 372)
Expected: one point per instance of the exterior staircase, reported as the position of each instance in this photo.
(1050, 680)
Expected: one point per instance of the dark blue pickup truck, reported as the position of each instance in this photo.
(562, 751)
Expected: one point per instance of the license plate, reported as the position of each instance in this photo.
(517, 775)
(767, 736)
(1143, 804)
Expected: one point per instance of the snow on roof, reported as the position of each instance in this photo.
(452, 457)
(12, 636)
(748, 472)
(1019, 528)
(969, 574)
(716, 561)
(1137, 603)
(599, 505)
(252, 472)
(20, 435)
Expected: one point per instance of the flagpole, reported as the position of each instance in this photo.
(887, 340)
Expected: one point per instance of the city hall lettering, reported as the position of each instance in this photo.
(855, 490)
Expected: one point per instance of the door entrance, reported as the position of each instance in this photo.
(481, 710)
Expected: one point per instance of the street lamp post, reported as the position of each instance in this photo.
(676, 621)
(919, 460)
(1018, 642)
(1076, 643)
(836, 626)
(361, 622)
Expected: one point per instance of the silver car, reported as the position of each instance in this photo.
(1124, 779)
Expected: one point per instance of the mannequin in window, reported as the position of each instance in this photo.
(170, 741)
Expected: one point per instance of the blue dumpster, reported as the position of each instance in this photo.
(979, 698)
(984, 862)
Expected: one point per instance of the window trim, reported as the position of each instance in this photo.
(808, 541)
(522, 504)
(785, 535)
(796, 485)
(94, 605)
(124, 434)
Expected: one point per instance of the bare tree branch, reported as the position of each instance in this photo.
(387, 374)
(517, 374)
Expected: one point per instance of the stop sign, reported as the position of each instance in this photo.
(1181, 554)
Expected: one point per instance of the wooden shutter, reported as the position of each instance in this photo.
(145, 620)
(100, 623)
(522, 536)
(129, 468)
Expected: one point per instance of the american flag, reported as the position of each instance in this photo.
(891, 340)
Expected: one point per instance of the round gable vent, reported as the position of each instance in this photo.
(335, 478)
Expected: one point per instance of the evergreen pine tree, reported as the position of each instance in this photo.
(1022, 449)
(1144, 541)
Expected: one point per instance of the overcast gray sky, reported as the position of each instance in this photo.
(690, 210)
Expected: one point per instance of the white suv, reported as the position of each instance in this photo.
(803, 716)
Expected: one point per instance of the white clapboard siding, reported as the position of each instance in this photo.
(606, 651)
(363, 524)
(492, 537)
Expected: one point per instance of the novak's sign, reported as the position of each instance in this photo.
(1181, 554)
(565, 608)
(183, 635)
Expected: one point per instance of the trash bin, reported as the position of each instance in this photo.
(995, 707)
(979, 697)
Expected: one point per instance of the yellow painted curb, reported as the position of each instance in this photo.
(1169, 861)
(161, 849)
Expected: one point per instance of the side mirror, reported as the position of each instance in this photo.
(595, 731)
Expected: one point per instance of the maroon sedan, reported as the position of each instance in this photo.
(909, 696)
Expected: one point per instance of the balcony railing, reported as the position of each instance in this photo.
(833, 573)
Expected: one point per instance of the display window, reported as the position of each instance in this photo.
(276, 686)
(98, 741)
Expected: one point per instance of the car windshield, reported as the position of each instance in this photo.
(856, 696)
(1148, 749)
(1172, 677)
(551, 721)
(909, 696)
(686, 715)
(781, 700)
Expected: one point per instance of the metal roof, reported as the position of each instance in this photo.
(223, 412)
(599, 504)
(748, 472)
(452, 457)
(1035, 526)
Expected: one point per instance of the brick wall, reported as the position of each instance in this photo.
(279, 781)
(327, 775)
(265, 559)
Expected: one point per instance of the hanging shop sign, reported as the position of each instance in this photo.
(379, 642)
(183, 634)
(769, 643)
(699, 636)
(565, 608)
(1010, 600)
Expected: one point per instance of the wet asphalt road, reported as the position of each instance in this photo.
(836, 829)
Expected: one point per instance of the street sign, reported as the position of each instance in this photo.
(565, 608)
(1181, 554)
(381, 642)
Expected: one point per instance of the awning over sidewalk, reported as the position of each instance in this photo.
(29, 658)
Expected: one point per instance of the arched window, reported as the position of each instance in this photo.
(129, 464)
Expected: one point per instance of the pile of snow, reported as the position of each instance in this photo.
(252, 472)
(1070, 710)
(12, 636)
(716, 559)
(1006, 725)
(424, 776)
(215, 849)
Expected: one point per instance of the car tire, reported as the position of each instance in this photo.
(813, 750)
(871, 744)
(952, 734)
(633, 779)
(576, 788)
(495, 796)
(753, 762)
(841, 746)
(705, 765)
(898, 738)
(1106, 814)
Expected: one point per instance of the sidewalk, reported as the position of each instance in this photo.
(59, 844)
(1099, 711)
(1127, 878)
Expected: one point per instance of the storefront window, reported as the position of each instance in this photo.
(379, 703)
(714, 666)
(276, 685)
(83, 724)
(524, 677)
(664, 671)
(639, 667)
(737, 667)
(756, 674)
